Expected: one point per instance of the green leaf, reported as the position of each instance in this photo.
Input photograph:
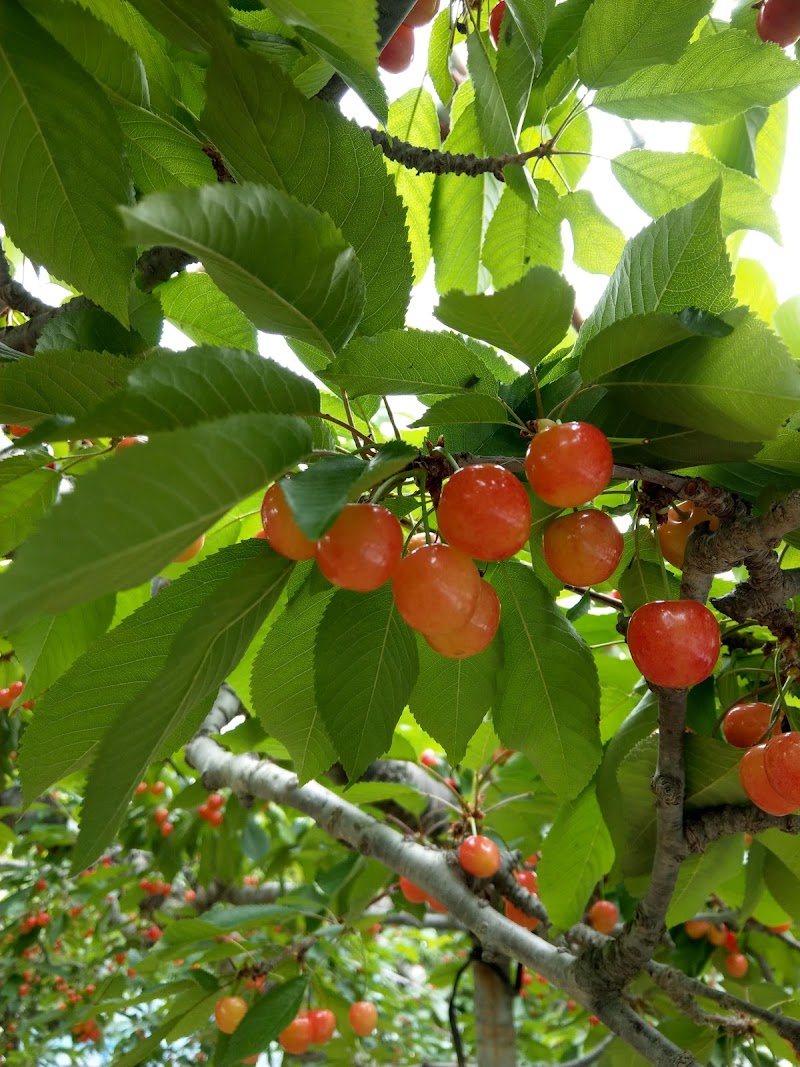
(787, 323)
(61, 129)
(175, 390)
(519, 55)
(620, 38)
(520, 236)
(645, 580)
(677, 260)
(192, 24)
(194, 304)
(410, 361)
(661, 181)
(48, 646)
(439, 56)
(733, 143)
(24, 501)
(326, 161)
(58, 383)
(701, 876)
(309, 286)
(742, 387)
(463, 409)
(360, 706)
(597, 242)
(563, 33)
(129, 517)
(577, 852)
(204, 651)
(526, 319)
(549, 694)
(532, 17)
(90, 330)
(282, 683)
(452, 696)
(264, 1020)
(718, 76)
(161, 154)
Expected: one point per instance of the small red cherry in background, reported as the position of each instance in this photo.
(216, 801)
(160, 815)
(229, 1012)
(18, 431)
(157, 788)
(495, 19)
(363, 1017)
(479, 855)
(674, 643)
(484, 512)
(753, 776)
(398, 51)
(280, 526)
(297, 1036)
(583, 548)
(428, 758)
(569, 463)
(476, 634)
(167, 828)
(436, 589)
(779, 21)
(731, 941)
(141, 788)
(126, 442)
(412, 893)
(323, 1024)
(215, 818)
(736, 965)
(782, 765)
(603, 916)
(746, 723)
(194, 548)
(421, 13)
(362, 549)
(40, 885)
(674, 533)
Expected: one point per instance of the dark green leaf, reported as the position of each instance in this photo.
(701, 876)
(264, 1021)
(192, 24)
(58, 383)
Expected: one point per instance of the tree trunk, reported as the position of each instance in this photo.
(495, 1036)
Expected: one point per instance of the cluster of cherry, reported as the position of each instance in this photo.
(720, 936)
(399, 49)
(306, 1029)
(769, 770)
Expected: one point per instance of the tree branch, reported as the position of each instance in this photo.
(706, 826)
(435, 161)
(762, 598)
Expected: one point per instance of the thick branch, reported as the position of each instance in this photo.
(706, 826)
(762, 599)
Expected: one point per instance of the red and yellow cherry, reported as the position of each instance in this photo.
(297, 1036)
(428, 758)
(696, 929)
(782, 766)
(779, 21)
(363, 1016)
(362, 549)
(194, 548)
(753, 776)
(674, 643)
(569, 463)
(674, 533)
(495, 19)
(436, 589)
(717, 934)
(281, 529)
(484, 512)
(479, 855)
(476, 634)
(603, 916)
(323, 1024)
(421, 13)
(398, 51)
(746, 723)
(229, 1012)
(412, 893)
(583, 548)
(736, 964)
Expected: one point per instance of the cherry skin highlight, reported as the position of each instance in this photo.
(297, 1036)
(229, 1012)
(479, 855)
(753, 776)
(603, 916)
(674, 643)
(674, 533)
(476, 634)
(436, 589)
(583, 548)
(281, 529)
(484, 512)
(779, 21)
(398, 51)
(569, 463)
(323, 1023)
(362, 548)
(495, 19)
(746, 723)
(421, 13)
(363, 1017)
(782, 766)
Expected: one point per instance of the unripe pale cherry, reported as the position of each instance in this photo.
(229, 1012)
(476, 634)
(673, 534)
(674, 643)
(479, 855)
(436, 589)
(569, 464)
(782, 765)
(582, 548)
(753, 776)
(484, 512)
(362, 549)
(280, 526)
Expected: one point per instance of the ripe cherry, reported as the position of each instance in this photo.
(674, 533)
(569, 463)
(746, 723)
(323, 1024)
(479, 855)
(215, 818)
(229, 1012)
(717, 934)
(528, 880)
(40, 885)
(583, 548)
(484, 512)
(476, 634)
(421, 13)
(412, 893)
(736, 965)
(167, 828)
(281, 529)
(362, 549)
(428, 758)
(753, 776)
(696, 929)
(779, 21)
(160, 815)
(782, 765)
(216, 801)
(141, 788)
(436, 589)
(674, 643)
(297, 1036)
(194, 548)
(495, 19)
(398, 51)
(157, 788)
(363, 1017)
(731, 941)
(603, 916)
